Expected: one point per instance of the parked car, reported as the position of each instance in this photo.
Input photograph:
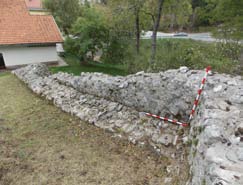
(180, 34)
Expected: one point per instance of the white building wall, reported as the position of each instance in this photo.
(21, 55)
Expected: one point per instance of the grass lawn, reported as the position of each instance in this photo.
(3, 73)
(75, 67)
(40, 144)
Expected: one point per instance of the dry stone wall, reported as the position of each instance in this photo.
(160, 93)
(117, 104)
(216, 155)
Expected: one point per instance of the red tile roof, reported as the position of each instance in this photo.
(34, 3)
(17, 26)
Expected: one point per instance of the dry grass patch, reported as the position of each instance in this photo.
(39, 144)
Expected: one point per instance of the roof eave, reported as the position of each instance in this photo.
(32, 44)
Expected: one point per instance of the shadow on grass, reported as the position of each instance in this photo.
(76, 68)
(4, 73)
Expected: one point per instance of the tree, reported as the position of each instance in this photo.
(184, 11)
(130, 13)
(155, 30)
(89, 35)
(137, 8)
(204, 11)
(229, 14)
(177, 12)
(65, 12)
(195, 5)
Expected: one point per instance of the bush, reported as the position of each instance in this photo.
(230, 49)
(115, 49)
(89, 35)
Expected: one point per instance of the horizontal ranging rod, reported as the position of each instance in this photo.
(167, 120)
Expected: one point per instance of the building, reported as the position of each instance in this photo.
(34, 4)
(35, 7)
(26, 38)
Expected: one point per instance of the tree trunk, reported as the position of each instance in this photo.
(241, 63)
(172, 22)
(137, 31)
(154, 35)
(193, 20)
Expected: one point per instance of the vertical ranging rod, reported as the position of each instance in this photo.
(199, 92)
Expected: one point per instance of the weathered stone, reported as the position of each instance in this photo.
(185, 140)
(140, 73)
(216, 154)
(231, 155)
(240, 129)
(236, 99)
(128, 128)
(212, 134)
(168, 180)
(183, 69)
(232, 82)
(239, 154)
(165, 139)
(218, 88)
(223, 105)
(227, 176)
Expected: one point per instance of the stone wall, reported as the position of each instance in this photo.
(216, 134)
(163, 93)
(117, 104)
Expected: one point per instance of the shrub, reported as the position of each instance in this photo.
(115, 49)
(89, 35)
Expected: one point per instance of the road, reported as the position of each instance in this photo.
(207, 37)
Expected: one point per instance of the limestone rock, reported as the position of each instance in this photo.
(183, 69)
(218, 88)
(212, 134)
(165, 139)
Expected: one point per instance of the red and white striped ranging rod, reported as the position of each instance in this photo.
(167, 119)
(199, 92)
(194, 106)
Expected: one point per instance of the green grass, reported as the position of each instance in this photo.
(76, 68)
(3, 73)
